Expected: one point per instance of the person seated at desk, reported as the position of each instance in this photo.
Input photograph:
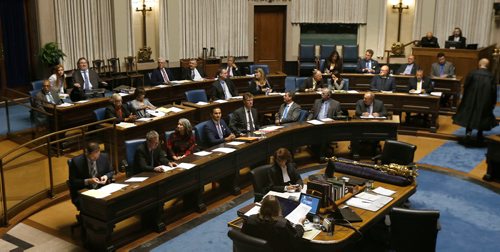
(369, 106)
(140, 104)
(367, 64)
(283, 174)
(429, 41)
(457, 36)
(85, 80)
(314, 82)
(244, 119)
(149, 156)
(231, 67)
(181, 143)
(223, 88)
(409, 68)
(58, 79)
(325, 107)
(161, 74)
(333, 63)
(216, 129)
(442, 68)
(193, 72)
(260, 85)
(270, 225)
(45, 96)
(382, 81)
(420, 84)
(289, 111)
(90, 170)
(119, 110)
(337, 82)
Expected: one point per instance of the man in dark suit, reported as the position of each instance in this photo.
(45, 96)
(367, 64)
(223, 88)
(231, 67)
(420, 83)
(90, 170)
(325, 107)
(193, 72)
(149, 156)
(409, 68)
(382, 81)
(289, 111)
(119, 110)
(216, 129)
(84, 80)
(369, 106)
(161, 74)
(429, 41)
(314, 82)
(244, 119)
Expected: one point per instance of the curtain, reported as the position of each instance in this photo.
(329, 11)
(222, 24)
(163, 29)
(84, 28)
(473, 17)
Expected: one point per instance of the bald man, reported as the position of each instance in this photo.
(382, 81)
(429, 41)
(478, 101)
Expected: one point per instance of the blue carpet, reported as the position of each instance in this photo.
(469, 212)
(19, 119)
(496, 111)
(455, 156)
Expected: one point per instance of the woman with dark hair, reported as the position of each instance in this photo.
(337, 82)
(181, 143)
(283, 175)
(140, 104)
(457, 36)
(58, 79)
(270, 225)
(333, 63)
(259, 84)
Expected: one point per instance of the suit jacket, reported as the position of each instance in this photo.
(93, 78)
(79, 171)
(280, 234)
(111, 112)
(427, 85)
(217, 93)
(338, 66)
(238, 123)
(461, 40)
(333, 109)
(402, 69)
(383, 84)
(378, 107)
(362, 65)
(186, 73)
(308, 83)
(449, 69)
(292, 114)
(432, 42)
(255, 89)
(41, 100)
(236, 72)
(157, 77)
(211, 132)
(143, 157)
(276, 178)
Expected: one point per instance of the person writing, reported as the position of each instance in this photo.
(370, 107)
(141, 104)
(181, 143)
(283, 174)
(149, 156)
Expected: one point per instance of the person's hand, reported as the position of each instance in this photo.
(375, 114)
(131, 118)
(230, 137)
(302, 220)
(365, 114)
(93, 181)
(277, 122)
(172, 164)
(158, 169)
(412, 90)
(104, 179)
(176, 158)
(77, 85)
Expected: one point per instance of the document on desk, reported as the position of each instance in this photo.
(310, 232)
(96, 194)
(162, 86)
(166, 168)
(202, 103)
(202, 153)
(239, 97)
(125, 125)
(220, 101)
(327, 120)
(186, 166)
(437, 94)
(271, 128)
(123, 94)
(224, 149)
(82, 101)
(287, 195)
(369, 201)
(235, 143)
(352, 91)
(180, 81)
(135, 179)
(155, 113)
(253, 210)
(298, 213)
(65, 105)
(111, 188)
(144, 119)
(383, 191)
(373, 117)
(315, 122)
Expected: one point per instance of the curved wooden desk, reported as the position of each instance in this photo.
(99, 216)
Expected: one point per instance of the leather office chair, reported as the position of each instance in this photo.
(324, 53)
(254, 67)
(414, 230)
(37, 85)
(396, 152)
(100, 114)
(196, 95)
(260, 181)
(131, 69)
(303, 115)
(350, 58)
(130, 147)
(299, 83)
(307, 59)
(246, 243)
(73, 193)
(200, 134)
(100, 67)
(290, 84)
(115, 71)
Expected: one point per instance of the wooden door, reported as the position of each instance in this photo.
(269, 36)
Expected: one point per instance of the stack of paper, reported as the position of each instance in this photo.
(202, 103)
(235, 143)
(315, 122)
(220, 101)
(144, 119)
(202, 153)
(186, 166)
(155, 113)
(65, 105)
(125, 125)
(270, 128)
(166, 168)
(368, 201)
(135, 179)
(82, 101)
(161, 85)
(225, 150)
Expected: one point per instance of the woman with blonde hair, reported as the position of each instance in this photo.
(260, 85)
(58, 79)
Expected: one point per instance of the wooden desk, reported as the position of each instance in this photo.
(99, 216)
(343, 236)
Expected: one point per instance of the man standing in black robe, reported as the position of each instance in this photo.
(478, 101)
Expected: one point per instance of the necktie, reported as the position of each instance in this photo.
(370, 109)
(285, 112)
(227, 94)
(419, 86)
(251, 127)
(230, 71)
(192, 74)
(165, 75)
(86, 85)
(441, 70)
(152, 158)
(50, 99)
(119, 113)
(93, 172)
(324, 111)
(219, 131)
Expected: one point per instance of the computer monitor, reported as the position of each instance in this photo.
(287, 205)
(472, 46)
(453, 44)
(312, 201)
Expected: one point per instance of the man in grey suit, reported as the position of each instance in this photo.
(45, 96)
(409, 68)
(383, 82)
(325, 107)
(244, 119)
(289, 111)
(442, 68)
(369, 106)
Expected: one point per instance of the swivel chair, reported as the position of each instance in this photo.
(260, 181)
(307, 58)
(196, 95)
(130, 147)
(303, 115)
(254, 67)
(100, 114)
(396, 152)
(246, 243)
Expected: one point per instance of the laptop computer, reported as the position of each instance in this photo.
(310, 200)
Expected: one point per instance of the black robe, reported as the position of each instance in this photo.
(478, 101)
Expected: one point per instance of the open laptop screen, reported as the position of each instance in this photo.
(312, 201)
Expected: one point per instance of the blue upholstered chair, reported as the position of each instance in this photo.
(306, 59)
(130, 147)
(350, 58)
(303, 115)
(196, 95)
(326, 50)
(290, 84)
(299, 83)
(254, 67)
(100, 114)
(37, 85)
(201, 138)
